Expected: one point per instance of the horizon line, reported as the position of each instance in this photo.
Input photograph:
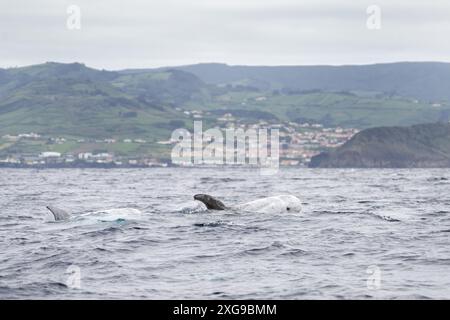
(228, 64)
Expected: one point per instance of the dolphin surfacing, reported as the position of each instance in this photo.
(108, 215)
(274, 204)
(58, 213)
(210, 202)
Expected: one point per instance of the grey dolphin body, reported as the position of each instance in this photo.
(59, 214)
(210, 202)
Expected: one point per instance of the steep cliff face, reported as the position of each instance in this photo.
(419, 146)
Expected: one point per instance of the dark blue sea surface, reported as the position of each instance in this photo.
(380, 234)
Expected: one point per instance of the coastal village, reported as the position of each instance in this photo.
(299, 142)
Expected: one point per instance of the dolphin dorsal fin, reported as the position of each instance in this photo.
(59, 214)
(210, 202)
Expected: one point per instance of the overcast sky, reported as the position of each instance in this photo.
(137, 34)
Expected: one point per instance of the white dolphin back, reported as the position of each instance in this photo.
(276, 204)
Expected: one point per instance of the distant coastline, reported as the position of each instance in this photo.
(78, 166)
(128, 166)
(418, 146)
(55, 114)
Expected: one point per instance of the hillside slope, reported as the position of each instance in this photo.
(427, 81)
(71, 99)
(419, 146)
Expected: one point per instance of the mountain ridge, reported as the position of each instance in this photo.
(431, 83)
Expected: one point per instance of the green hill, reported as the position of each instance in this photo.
(426, 145)
(58, 99)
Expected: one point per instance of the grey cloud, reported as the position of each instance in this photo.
(117, 34)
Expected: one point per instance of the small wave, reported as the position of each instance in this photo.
(438, 213)
(335, 212)
(294, 252)
(210, 179)
(106, 231)
(209, 224)
(378, 216)
(194, 207)
(139, 228)
(383, 217)
(277, 247)
(413, 297)
(349, 254)
(438, 179)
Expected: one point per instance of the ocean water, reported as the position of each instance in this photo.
(362, 234)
